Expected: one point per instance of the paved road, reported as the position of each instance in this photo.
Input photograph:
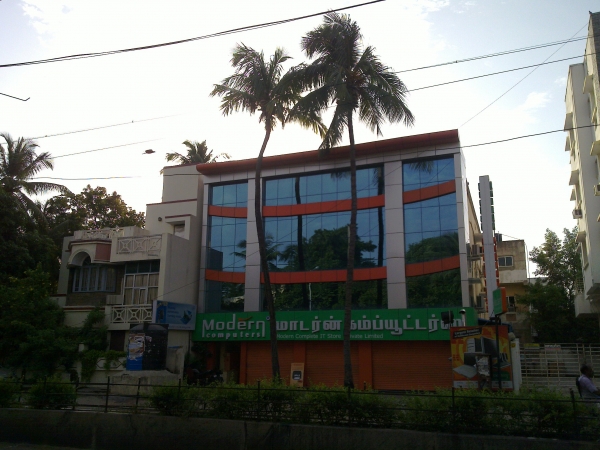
(13, 446)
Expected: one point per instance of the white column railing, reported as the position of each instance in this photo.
(106, 233)
(131, 313)
(143, 244)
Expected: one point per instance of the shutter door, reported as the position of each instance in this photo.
(325, 363)
(414, 365)
(258, 363)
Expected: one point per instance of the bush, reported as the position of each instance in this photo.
(52, 393)
(9, 390)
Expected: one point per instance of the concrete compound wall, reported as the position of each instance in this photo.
(148, 432)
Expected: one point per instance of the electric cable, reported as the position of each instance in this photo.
(501, 53)
(105, 148)
(84, 179)
(521, 80)
(181, 41)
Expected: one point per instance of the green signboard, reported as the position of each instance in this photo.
(499, 298)
(367, 325)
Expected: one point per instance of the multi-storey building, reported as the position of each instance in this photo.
(125, 270)
(583, 144)
(416, 226)
(418, 254)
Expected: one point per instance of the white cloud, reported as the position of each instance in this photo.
(561, 81)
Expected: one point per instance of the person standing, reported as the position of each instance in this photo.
(587, 388)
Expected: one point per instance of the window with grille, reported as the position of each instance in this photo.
(141, 282)
(93, 278)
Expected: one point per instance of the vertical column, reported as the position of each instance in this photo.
(243, 362)
(394, 235)
(365, 364)
(203, 250)
(462, 208)
(489, 253)
(252, 287)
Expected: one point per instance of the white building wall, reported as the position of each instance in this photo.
(584, 176)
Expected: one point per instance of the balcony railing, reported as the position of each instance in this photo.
(106, 233)
(149, 245)
(131, 314)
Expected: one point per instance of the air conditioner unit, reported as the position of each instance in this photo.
(577, 214)
(597, 189)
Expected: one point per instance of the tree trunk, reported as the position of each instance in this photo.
(262, 247)
(348, 381)
(301, 265)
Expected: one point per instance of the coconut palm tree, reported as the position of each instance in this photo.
(19, 163)
(197, 152)
(258, 85)
(352, 79)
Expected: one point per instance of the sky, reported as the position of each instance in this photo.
(171, 85)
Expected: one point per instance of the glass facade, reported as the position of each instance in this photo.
(230, 195)
(434, 290)
(322, 187)
(431, 229)
(325, 296)
(226, 248)
(425, 173)
(223, 297)
(430, 234)
(324, 240)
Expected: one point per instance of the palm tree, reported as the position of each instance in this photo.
(18, 165)
(258, 85)
(197, 153)
(352, 79)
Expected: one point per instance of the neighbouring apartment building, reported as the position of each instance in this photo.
(582, 99)
(418, 254)
(512, 267)
(124, 271)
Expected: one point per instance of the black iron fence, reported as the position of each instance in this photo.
(539, 413)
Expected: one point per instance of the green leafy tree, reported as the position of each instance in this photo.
(258, 85)
(354, 81)
(559, 261)
(93, 208)
(552, 303)
(19, 163)
(32, 334)
(197, 153)
(23, 244)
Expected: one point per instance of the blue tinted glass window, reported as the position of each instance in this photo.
(431, 230)
(329, 296)
(230, 195)
(435, 290)
(324, 240)
(226, 244)
(428, 172)
(323, 187)
(223, 297)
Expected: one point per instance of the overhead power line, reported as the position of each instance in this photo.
(500, 72)
(17, 98)
(105, 126)
(104, 148)
(492, 55)
(86, 179)
(521, 80)
(182, 41)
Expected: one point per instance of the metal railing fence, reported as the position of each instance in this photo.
(534, 414)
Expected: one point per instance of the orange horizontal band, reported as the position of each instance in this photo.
(438, 265)
(438, 190)
(226, 277)
(227, 211)
(325, 276)
(322, 207)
